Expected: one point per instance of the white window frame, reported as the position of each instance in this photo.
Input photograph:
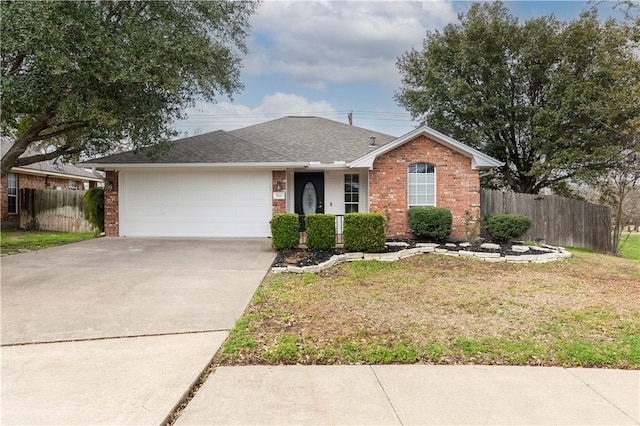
(415, 199)
(73, 185)
(349, 194)
(12, 186)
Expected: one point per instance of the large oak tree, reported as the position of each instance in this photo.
(530, 94)
(80, 78)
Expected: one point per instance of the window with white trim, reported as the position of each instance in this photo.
(351, 193)
(73, 185)
(422, 184)
(12, 193)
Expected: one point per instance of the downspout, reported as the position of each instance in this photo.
(96, 174)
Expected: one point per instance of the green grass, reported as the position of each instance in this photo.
(631, 247)
(12, 242)
(441, 310)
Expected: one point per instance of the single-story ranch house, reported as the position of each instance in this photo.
(230, 183)
(42, 175)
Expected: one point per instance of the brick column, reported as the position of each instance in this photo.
(279, 206)
(111, 212)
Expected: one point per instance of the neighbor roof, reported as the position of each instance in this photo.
(52, 168)
(295, 141)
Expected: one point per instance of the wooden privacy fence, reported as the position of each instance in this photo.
(556, 220)
(51, 210)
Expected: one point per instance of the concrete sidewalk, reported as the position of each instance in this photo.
(420, 394)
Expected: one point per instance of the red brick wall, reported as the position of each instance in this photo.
(279, 206)
(457, 185)
(111, 212)
(8, 220)
(28, 181)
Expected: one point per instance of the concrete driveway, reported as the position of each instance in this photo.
(115, 330)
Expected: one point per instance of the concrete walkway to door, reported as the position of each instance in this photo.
(115, 330)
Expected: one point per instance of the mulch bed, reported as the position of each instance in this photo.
(307, 257)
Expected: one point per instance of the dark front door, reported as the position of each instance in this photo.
(309, 193)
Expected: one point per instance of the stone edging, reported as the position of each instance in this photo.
(548, 254)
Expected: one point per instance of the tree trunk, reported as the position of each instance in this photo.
(10, 158)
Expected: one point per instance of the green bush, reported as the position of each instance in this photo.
(433, 223)
(94, 199)
(321, 231)
(506, 227)
(285, 231)
(363, 232)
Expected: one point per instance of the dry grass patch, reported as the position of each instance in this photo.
(445, 310)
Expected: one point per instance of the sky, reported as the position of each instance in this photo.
(330, 58)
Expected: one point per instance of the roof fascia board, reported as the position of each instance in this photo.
(26, 171)
(479, 160)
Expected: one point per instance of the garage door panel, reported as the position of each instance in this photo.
(193, 204)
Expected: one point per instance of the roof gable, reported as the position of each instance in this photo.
(479, 160)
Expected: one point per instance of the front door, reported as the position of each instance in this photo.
(309, 193)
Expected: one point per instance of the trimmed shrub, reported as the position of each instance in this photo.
(363, 232)
(433, 223)
(94, 199)
(321, 231)
(285, 231)
(506, 227)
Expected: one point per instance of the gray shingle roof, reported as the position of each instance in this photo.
(288, 139)
(313, 139)
(213, 147)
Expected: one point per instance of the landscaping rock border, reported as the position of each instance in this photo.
(539, 254)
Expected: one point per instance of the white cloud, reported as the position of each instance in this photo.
(340, 42)
(208, 117)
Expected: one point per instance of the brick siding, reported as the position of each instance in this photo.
(111, 209)
(279, 206)
(457, 185)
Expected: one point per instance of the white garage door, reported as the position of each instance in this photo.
(195, 204)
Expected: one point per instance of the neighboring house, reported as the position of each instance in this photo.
(229, 184)
(42, 175)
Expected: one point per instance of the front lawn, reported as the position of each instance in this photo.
(21, 241)
(631, 246)
(443, 310)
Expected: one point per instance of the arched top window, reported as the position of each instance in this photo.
(422, 184)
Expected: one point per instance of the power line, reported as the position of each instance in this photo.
(357, 116)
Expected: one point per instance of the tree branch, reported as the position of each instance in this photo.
(71, 128)
(65, 150)
(17, 63)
